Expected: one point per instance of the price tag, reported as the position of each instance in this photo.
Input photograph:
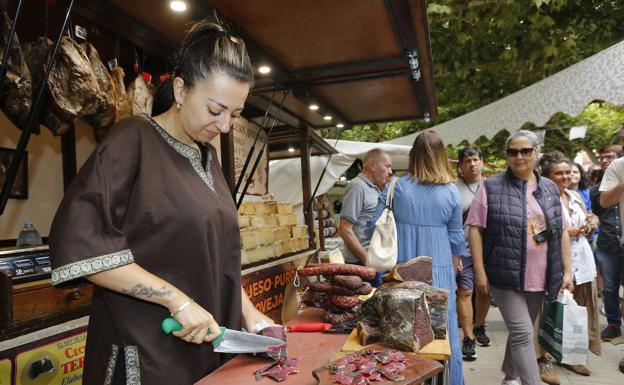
(80, 32)
(112, 63)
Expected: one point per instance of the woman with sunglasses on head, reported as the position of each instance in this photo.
(150, 221)
(519, 250)
(558, 168)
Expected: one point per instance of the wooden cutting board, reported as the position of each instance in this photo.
(439, 350)
(419, 370)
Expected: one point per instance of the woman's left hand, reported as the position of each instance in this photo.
(567, 282)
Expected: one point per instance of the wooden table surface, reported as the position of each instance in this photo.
(313, 349)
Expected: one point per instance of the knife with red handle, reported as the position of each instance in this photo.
(309, 327)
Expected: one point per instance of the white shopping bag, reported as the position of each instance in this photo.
(563, 330)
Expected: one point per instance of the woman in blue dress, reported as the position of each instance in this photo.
(428, 214)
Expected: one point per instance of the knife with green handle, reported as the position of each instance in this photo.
(230, 341)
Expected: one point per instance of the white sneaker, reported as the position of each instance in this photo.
(510, 382)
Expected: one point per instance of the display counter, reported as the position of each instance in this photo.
(313, 349)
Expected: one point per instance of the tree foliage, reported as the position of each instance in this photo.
(484, 50)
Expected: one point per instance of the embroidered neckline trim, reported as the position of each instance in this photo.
(193, 155)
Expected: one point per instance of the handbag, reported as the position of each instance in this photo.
(383, 248)
(563, 330)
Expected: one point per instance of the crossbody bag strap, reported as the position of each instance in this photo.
(391, 193)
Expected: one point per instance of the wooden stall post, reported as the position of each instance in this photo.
(304, 145)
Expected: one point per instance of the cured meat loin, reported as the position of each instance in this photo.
(74, 89)
(123, 108)
(328, 269)
(36, 53)
(437, 300)
(16, 97)
(398, 310)
(417, 269)
(104, 116)
(140, 96)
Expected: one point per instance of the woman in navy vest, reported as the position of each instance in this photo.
(520, 251)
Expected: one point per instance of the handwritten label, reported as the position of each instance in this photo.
(245, 133)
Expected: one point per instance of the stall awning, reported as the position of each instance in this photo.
(599, 77)
(359, 61)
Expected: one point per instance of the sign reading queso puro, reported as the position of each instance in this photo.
(266, 288)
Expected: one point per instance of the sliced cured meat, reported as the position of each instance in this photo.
(140, 96)
(276, 331)
(16, 96)
(279, 370)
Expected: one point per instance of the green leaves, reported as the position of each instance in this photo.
(484, 50)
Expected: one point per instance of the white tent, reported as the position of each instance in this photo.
(285, 175)
(599, 77)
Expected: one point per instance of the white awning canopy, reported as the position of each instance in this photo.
(599, 77)
(283, 173)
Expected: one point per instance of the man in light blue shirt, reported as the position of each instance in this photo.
(360, 202)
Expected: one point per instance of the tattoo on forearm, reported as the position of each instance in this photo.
(144, 291)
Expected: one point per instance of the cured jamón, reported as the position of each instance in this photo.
(74, 89)
(16, 96)
(123, 108)
(140, 96)
(104, 116)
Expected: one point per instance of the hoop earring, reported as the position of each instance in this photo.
(178, 106)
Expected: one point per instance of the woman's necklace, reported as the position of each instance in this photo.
(469, 189)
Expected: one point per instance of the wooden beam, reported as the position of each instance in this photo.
(400, 16)
(365, 66)
(306, 182)
(106, 14)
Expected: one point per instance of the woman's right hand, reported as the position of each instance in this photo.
(196, 322)
(481, 282)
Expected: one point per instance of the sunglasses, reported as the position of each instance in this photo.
(513, 152)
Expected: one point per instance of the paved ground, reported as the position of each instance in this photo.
(486, 369)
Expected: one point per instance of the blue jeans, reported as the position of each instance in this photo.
(609, 262)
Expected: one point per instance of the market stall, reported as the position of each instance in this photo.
(328, 68)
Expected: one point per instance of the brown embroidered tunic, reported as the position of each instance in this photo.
(145, 197)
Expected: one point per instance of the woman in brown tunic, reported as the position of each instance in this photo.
(150, 221)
